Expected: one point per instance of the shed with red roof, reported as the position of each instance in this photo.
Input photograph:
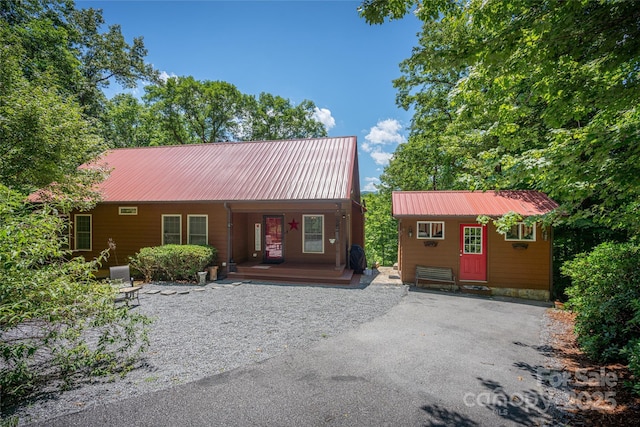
(263, 205)
(441, 229)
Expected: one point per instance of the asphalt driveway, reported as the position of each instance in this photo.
(433, 359)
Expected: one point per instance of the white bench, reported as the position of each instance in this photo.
(435, 274)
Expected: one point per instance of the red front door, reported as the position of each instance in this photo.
(273, 245)
(473, 252)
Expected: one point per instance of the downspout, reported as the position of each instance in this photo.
(229, 238)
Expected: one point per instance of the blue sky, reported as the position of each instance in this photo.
(305, 49)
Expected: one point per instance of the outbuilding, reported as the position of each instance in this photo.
(441, 229)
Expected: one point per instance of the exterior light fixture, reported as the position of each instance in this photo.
(410, 231)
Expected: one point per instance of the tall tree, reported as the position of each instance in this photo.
(193, 111)
(44, 134)
(67, 43)
(128, 122)
(381, 229)
(271, 117)
(546, 96)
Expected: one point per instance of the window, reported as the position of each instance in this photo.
(127, 210)
(521, 231)
(430, 230)
(83, 232)
(313, 234)
(197, 229)
(472, 240)
(171, 229)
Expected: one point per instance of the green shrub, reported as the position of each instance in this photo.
(58, 325)
(632, 353)
(606, 298)
(173, 262)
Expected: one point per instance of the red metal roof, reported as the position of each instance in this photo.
(470, 203)
(302, 169)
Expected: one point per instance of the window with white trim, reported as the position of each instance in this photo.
(430, 230)
(197, 226)
(127, 210)
(82, 233)
(313, 234)
(521, 231)
(171, 229)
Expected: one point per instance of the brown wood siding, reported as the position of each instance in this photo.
(506, 267)
(413, 251)
(132, 232)
(518, 268)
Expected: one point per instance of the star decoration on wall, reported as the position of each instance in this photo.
(293, 225)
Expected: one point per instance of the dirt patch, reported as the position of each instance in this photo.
(599, 395)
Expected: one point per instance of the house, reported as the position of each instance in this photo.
(440, 229)
(287, 210)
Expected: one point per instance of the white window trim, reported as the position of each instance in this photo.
(304, 218)
(170, 215)
(520, 239)
(121, 210)
(430, 230)
(482, 240)
(206, 227)
(75, 232)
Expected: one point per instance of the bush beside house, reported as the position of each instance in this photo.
(606, 298)
(173, 262)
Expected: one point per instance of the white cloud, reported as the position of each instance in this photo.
(386, 133)
(380, 157)
(164, 76)
(323, 115)
(371, 182)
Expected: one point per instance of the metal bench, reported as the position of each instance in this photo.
(435, 274)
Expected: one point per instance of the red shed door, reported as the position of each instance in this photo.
(473, 252)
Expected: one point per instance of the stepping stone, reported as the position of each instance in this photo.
(236, 284)
(216, 287)
(167, 292)
(199, 289)
(183, 292)
(153, 291)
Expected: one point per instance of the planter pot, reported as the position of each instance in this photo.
(202, 277)
(213, 273)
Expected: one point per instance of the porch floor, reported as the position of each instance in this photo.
(290, 272)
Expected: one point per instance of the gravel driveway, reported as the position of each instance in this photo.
(226, 326)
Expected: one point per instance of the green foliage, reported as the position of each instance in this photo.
(44, 134)
(272, 117)
(127, 122)
(516, 94)
(173, 262)
(632, 354)
(606, 297)
(381, 230)
(188, 111)
(193, 111)
(570, 240)
(57, 323)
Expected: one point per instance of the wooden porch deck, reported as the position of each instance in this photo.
(289, 272)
